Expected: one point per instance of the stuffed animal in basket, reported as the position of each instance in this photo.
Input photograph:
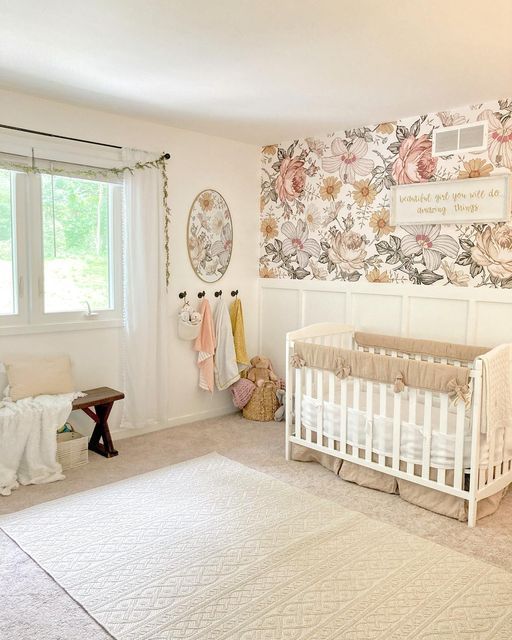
(281, 410)
(261, 371)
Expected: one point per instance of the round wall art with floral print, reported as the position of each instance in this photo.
(209, 235)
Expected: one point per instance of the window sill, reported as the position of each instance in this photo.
(58, 327)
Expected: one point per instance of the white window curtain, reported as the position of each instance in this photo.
(145, 340)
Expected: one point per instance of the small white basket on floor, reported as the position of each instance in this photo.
(72, 449)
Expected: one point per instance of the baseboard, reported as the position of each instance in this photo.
(119, 433)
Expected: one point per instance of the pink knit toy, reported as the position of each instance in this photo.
(242, 391)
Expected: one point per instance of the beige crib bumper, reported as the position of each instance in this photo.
(414, 373)
(462, 352)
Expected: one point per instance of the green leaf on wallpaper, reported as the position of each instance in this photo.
(383, 247)
(394, 147)
(415, 128)
(466, 244)
(475, 269)
(428, 277)
(506, 284)
(464, 259)
(393, 258)
(354, 276)
(401, 133)
(291, 149)
(395, 242)
(301, 273)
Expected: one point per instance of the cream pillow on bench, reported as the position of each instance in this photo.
(28, 377)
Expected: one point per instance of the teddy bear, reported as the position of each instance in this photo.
(261, 371)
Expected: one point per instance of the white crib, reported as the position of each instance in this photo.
(417, 435)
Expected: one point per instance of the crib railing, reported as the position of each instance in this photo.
(465, 480)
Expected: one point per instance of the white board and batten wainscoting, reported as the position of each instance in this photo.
(462, 315)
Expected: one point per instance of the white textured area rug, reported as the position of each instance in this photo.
(211, 549)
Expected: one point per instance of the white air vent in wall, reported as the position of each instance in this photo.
(466, 137)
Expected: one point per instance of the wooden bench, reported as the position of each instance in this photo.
(102, 399)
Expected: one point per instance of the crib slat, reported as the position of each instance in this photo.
(309, 392)
(427, 435)
(320, 398)
(459, 446)
(383, 398)
(396, 429)
(443, 429)
(369, 420)
(356, 390)
(332, 381)
(382, 410)
(343, 416)
(413, 402)
(298, 403)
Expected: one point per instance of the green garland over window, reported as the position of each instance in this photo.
(157, 163)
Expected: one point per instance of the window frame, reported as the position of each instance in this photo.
(28, 240)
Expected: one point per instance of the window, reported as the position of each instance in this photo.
(7, 270)
(60, 244)
(76, 244)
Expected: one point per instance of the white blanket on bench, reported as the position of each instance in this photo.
(28, 442)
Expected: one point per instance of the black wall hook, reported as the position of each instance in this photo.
(234, 293)
(218, 293)
(182, 294)
(201, 294)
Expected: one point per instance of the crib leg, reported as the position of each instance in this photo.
(472, 513)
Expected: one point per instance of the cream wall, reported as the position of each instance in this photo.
(197, 162)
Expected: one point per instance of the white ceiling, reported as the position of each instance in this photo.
(259, 71)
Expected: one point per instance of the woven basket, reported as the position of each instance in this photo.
(263, 404)
(72, 449)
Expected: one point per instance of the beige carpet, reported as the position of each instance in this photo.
(34, 607)
(212, 549)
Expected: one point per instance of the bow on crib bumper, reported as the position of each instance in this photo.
(342, 369)
(399, 384)
(297, 362)
(458, 392)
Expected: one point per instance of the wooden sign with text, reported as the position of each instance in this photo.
(452, 201)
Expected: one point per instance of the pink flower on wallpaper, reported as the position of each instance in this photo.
(415, 162)
(291, 179)
(425, 239)
(350, 162)
(296, 239)
(500, 139)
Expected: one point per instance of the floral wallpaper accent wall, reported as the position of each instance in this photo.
(325, 205)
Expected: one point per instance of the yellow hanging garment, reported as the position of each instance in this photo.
(237, 324)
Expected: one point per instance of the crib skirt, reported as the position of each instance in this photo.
(430, 499)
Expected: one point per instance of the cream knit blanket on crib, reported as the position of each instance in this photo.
(497, 390)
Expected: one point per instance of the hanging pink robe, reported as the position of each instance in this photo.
(205, 346)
